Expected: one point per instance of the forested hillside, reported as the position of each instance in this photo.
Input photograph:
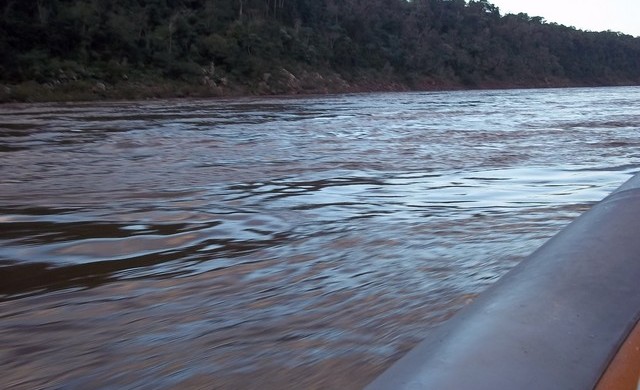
(139, 48)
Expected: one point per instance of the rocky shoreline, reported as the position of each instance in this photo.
(210, 85)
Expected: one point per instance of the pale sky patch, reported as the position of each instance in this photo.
(594, 15)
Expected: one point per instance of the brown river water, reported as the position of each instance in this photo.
(278, 243)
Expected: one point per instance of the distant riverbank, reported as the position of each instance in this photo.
(86, 51)
(280, 83)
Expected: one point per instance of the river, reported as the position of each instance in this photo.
(282, 242)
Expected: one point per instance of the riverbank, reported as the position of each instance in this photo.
(281, 82)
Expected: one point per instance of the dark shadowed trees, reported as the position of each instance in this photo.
(451, 41)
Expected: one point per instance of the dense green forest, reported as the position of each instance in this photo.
(140, 48)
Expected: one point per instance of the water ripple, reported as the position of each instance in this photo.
(287, 240)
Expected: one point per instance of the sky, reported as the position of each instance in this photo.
(595, 15)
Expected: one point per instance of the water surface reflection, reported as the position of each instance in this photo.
(261, 243)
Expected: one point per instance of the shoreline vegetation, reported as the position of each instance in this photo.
(86, 50)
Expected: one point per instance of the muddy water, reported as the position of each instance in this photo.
(281, 242)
